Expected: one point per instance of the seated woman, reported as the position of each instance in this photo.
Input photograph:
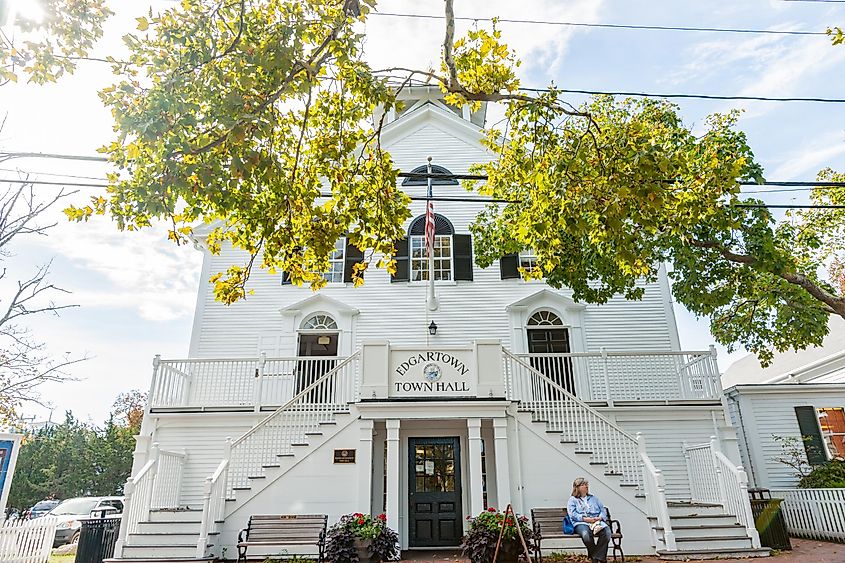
(590, 520)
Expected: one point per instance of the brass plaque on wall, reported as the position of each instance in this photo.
(344, 456)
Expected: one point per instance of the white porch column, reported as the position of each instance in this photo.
(503, 472)
(365, 466)
(393, 474)
(476, 490)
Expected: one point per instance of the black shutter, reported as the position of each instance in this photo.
(508, 266)
(808, 422)
(353, 256)
(462, 246)
(286, 278)
(402, 262)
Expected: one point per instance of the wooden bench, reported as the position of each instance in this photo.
(284, 530)
(548, 525)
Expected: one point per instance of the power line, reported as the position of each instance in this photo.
(612, 25)
(39, 173)
(474, 199)
(690, 96)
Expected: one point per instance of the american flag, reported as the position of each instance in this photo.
(429, 227)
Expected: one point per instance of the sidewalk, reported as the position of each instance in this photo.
(803, 551)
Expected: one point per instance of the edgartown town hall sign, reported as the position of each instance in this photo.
(431, 373)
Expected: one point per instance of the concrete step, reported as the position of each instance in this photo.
(705, 530)
(160, 551)
(694, 509)
(165, 538)
(713, 542)
(704, 520)
(176, 526)
(175, 514)
(712, 554)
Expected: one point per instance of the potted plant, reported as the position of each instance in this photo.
(479, 543)
(360, 537)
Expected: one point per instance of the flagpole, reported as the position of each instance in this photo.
(432, 299)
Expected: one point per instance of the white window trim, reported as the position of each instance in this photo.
(451, 280)
(342, 260)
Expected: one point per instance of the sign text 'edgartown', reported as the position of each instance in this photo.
(430, 373)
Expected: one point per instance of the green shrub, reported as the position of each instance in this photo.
(829, 475)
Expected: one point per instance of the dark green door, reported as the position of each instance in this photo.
(435, 492)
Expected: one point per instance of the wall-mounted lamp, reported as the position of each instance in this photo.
(432, 328)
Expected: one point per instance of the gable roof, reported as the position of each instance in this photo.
(545, 293)
(318, 302)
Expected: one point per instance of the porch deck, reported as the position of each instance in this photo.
(604, 378)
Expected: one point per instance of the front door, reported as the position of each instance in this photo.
(557, 368)
(434, 492)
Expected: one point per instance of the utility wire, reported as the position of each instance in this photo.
(610, 25)
(690, 96)
(464, 199)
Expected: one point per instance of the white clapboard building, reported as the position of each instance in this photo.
(368, 400)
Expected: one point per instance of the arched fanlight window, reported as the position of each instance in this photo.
(442, 226)
(319, 322)
(434, 181)
(544, 318)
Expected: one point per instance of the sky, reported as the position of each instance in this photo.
(136, 291)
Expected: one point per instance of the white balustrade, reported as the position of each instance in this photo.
(575, 420)
(325, 388)
(719, 481)
(817, 514)
(733, 484)
(168, 479)
(654, 485)
(240, 384)
(632, 376)
(701, 470)
(214, 501)
(137, 495)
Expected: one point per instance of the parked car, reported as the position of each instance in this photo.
(70, 511)
(42, 507)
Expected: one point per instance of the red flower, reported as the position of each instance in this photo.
(382, 517)
(360, 521)
(491, 509)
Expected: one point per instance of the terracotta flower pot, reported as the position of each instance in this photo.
(362, 546)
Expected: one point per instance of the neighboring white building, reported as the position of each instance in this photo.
(517, 391)
(799, 397)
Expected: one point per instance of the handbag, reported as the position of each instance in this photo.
(568, 527)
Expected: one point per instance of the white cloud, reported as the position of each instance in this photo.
(809, 159)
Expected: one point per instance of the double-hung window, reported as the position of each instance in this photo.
(442, 258)
(336, 259)
(528, 260)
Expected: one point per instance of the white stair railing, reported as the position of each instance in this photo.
(168, 478)
(701, 470)
(214, 501)
(574, 419)
(733, 486)
(138, 494)
(317, 404)
(655, 494)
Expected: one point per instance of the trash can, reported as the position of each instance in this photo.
(97, 538)
(768, 519)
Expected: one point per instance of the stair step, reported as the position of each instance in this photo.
(175, 515)
(175, 526)
(160, 560)
(719, 553)
(163, 538)
(704, 531)
(160, 551)
(713, 542)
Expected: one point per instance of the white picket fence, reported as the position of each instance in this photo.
(817, 514)
(27, 541)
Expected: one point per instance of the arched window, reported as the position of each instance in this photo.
(434, 181)
(544, 318)
(443, 254)
(319, 321)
